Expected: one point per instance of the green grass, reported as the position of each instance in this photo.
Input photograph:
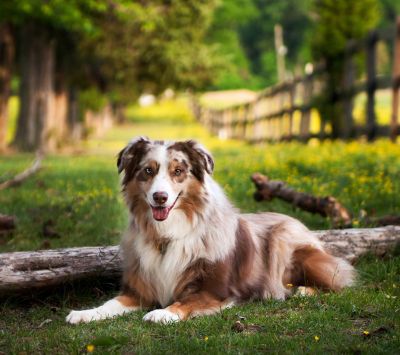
(79, 194)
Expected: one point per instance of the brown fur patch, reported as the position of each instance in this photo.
(192, 200)
(197, 159)
(134, 287)
(196, 304)
(248, 278)
(128, 301)
(204, 276)
(129, 159)
(143, 176)
(315, 268)
(182, 166)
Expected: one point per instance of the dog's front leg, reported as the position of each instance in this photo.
(112, 308)
(202, 303)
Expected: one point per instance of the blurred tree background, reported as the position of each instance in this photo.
(83, 60)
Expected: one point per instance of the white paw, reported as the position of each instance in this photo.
(161, 316)
(85, 316)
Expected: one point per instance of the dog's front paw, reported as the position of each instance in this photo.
(75, 317)
(161, 316)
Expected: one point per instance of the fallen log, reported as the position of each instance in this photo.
(28, 270)
(20, 178)
(325, 206)
(21, 271)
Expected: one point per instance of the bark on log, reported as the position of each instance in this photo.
(28, 270)
(325, 206)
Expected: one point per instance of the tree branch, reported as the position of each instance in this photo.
(20, 178)
(325, 206)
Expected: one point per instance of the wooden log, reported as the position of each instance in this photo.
(36, 269)
(325, 206)
(353, 243)
(22, 271)
(7, 223)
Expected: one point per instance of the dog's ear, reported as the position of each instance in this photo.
(206, 156)
(132, 152)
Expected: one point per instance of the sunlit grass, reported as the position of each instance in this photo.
(79, 193)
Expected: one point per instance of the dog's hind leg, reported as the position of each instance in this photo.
(322, 270)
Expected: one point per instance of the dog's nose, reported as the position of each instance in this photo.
(160, 197)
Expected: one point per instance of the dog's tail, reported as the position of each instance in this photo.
(317, 268)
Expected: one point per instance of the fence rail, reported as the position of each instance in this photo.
(283, 112)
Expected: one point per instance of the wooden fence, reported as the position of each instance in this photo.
(283, 112)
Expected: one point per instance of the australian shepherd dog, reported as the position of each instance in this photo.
(188, 252)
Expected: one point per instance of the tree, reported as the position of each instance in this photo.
(224, 35)
(7, 50)
(257, 36)
(336, 22)
(113, 50)
(37, 26)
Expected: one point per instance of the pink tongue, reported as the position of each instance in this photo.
(160, 213)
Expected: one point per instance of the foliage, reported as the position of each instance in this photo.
(73, 15)
(243, 31)
(336, 22)
(124, 47)
(224, 33)
(80, 194)
(258, 35)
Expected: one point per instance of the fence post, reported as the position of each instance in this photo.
(246, 117)
(396, 83)
(306, 112)
(348, 96)
(292, 98)
(371, 84)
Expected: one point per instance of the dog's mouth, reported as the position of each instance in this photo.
(160, 213)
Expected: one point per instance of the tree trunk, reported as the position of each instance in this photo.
(58, 121)
(74, 124)
(26, 270)
(6, 63)
(36, 90)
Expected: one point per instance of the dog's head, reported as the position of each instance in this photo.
(161, 176)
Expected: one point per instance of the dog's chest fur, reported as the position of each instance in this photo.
(163, 266)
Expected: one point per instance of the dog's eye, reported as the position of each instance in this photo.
(178, 172)
(149, 171)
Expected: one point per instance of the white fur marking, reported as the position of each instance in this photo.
(109, 309)
(161, 316)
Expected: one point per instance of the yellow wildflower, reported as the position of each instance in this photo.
(316, 338)
(90, 348)
(366, 332)
(205, 338)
